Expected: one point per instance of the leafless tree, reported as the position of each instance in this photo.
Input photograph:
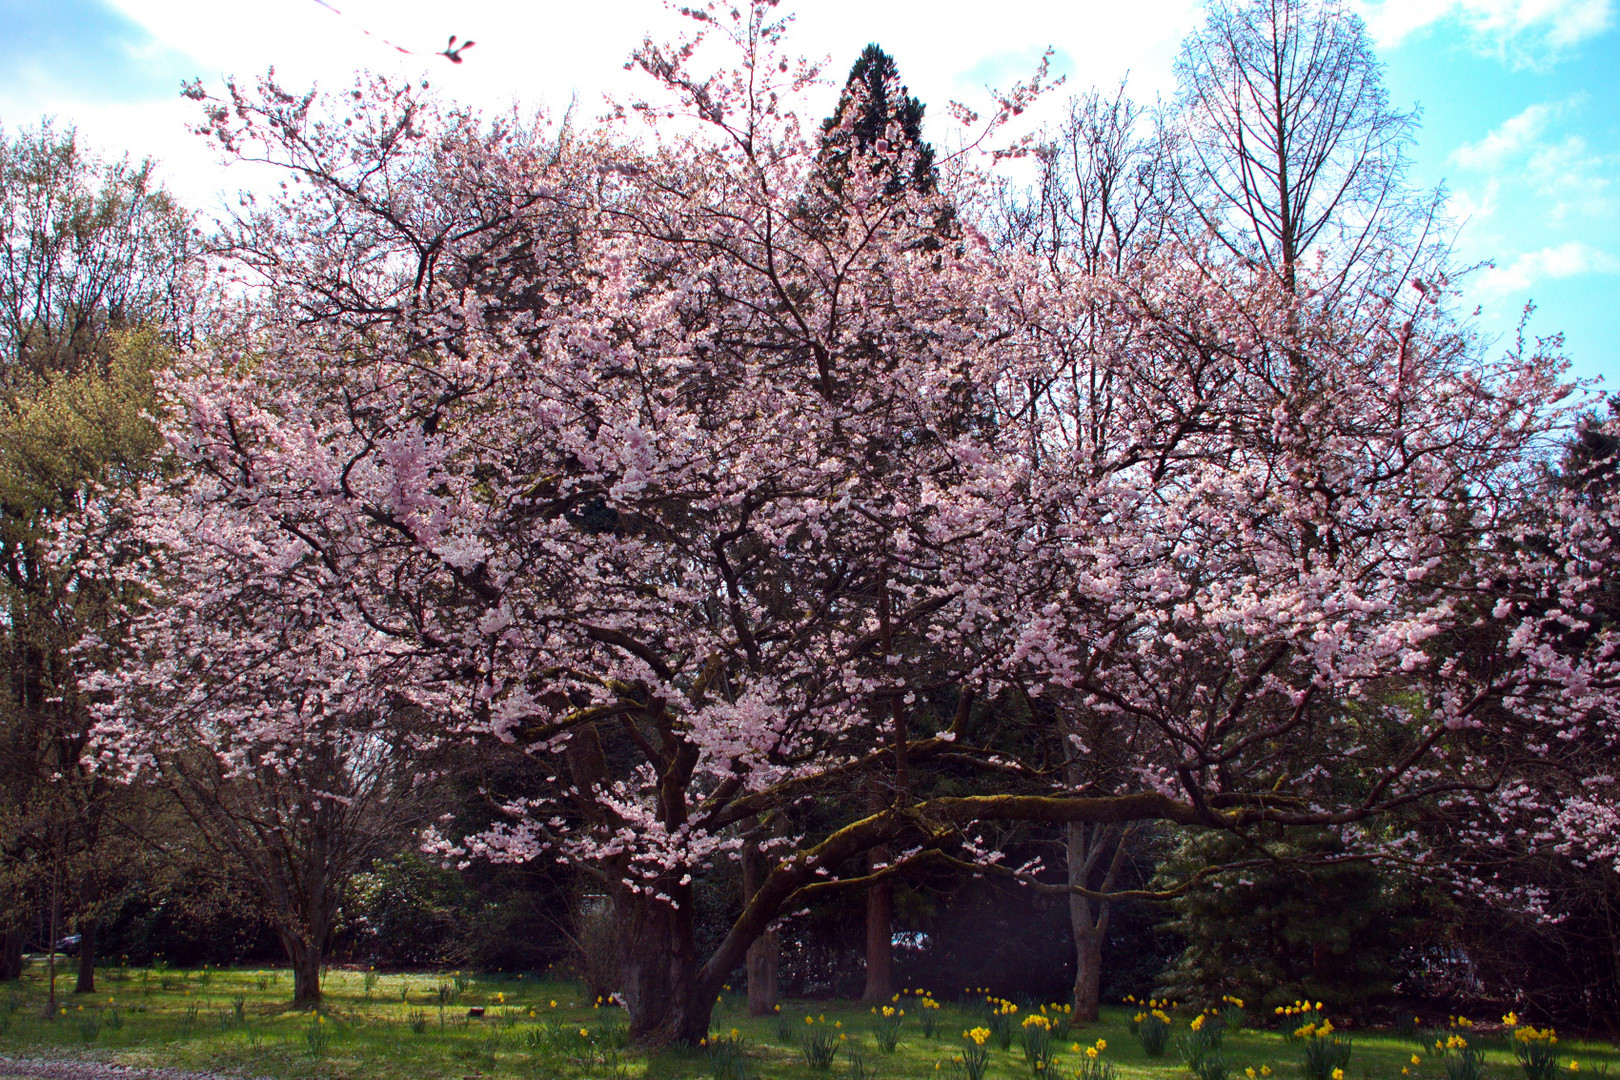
(1288, 145)
(1107, 189)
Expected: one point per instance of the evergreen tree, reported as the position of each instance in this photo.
(1305, 922)
(876, 114)
(879, 121)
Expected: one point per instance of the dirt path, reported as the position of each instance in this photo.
(15, 1068)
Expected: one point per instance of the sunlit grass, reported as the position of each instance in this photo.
(388, 1025)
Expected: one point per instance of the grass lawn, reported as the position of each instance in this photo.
(239, 1020)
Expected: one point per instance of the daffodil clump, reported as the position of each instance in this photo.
(1233, 1018)
(1092, 1064)
(318, 1037)
(785, 1031)
(1461, 1059)
(1002, 1021)
(927, 1014)
(820, 1041)
(1204, 1035)
(886, 1025)
(1152, 1027)
(1534, 1048)
(1301, 1014)
(1038, 1035)
(1324, 1053)
(974, 1059)
(728, 1058)
(1062, 1016)
(1451, 1047)
(1201, 1047)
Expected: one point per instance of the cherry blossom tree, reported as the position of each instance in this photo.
(592, 443)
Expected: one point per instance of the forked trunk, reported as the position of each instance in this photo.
(1088, 918)
(668, 999)
(87, 956)
(1087, 970)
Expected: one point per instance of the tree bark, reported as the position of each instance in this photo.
(305, 958)
(668, 999)
(11, 952)
(763, 965)
(1088, 919)
(764, 974)
(879, 937)
(87, 956)
(1088, 962)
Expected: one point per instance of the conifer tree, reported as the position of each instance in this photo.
(878, 119)
(876, 113)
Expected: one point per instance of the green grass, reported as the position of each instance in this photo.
(240, 1020)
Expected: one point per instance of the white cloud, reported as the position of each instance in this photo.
(1517, 29)
(1572, 179)
(1475, 207)
(1508, 139)
(1530, 268)
(1563, 172)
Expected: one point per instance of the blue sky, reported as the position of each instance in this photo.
(1520, 98)
(1526, 136)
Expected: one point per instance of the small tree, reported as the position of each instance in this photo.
(1307, 920)
(287, 772)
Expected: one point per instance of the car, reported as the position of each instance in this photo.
(69, 944)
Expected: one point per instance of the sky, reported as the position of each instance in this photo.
(1520, 99)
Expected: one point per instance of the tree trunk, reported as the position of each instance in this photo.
(305, 958)
(879, 937)
(667, 1000)
(1088, 963)
(11, 952)
(764, 955)
(1089, 919)
(87, 956)
(764, 973)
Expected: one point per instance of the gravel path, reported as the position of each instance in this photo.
(12, 1068)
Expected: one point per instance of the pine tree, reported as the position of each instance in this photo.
(878, 120)
(1312, 924)
(877, 115)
